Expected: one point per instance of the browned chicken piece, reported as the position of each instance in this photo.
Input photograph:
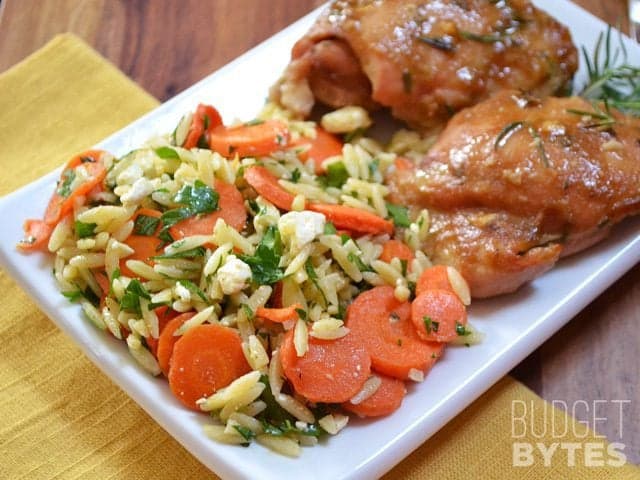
(514, 183)
(425, 59)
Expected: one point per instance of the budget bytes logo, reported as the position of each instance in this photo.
(558, 439)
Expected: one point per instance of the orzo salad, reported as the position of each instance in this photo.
(260, 268)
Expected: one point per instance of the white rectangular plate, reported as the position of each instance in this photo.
(514, 325)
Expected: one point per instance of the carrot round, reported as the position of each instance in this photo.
(352, 219)
(36, 235)
(230, 209)
(385, 400)
(144, 246)
(266, 184)
(62, 200)
(402, 163)
(436, 315)
(396, 249)
(279, 315)
(167, 340)
(383, 325)
(249, 140)
(331, 371)
(323, 146)
(164, 314)
(205, 359)
(205, 116)
(436, 277)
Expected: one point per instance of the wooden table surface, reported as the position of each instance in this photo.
(166, 46)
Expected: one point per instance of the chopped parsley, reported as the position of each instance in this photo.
(191, 253)
(337, 174)
(195, 200)
(85, 230)
(167, 153)
(295, 175)
(461, 330)
(68, 176)
(132, 294)
(399, 215)
(430, 325)
(329, 229)
(265, 262)
(146, 225)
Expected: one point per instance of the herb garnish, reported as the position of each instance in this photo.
(167, 153)
(68, 177)
(84, 230)
(506, 133)
(146, 225)
(265, 262)
(132, 294)
(399, 214)
(444, 43)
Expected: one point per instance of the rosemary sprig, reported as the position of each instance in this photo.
(610, 77)
(601, 119)
(444, 43)
(513, 127)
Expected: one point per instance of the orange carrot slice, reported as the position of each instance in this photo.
(325, 145)
(144, 246)
(331, 371)
(402, 163)
(249, 140)
(383, 325)
(205, 359)
(230, 209)
(435, 277)
(396, 249)
(36, 235)
(436, 315)
(167, 340)
(266, 184)
(279, 315)
(205, 119)
(353, 219)
(63, 198)
(385, 400)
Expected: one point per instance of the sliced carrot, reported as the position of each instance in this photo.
(167, 340)
(205, 359)
(36, 235)
(164, 314)
(383, 325)
(230, 209)
(266, 184)
(385, 400)
(331, 371)
(204, 116)
(279, 315)
(144, 246)
(323, 146)
(402, 163)
(435, 277)
(436, 315)
(249, 140)
(352, 219)
(101, 277)
(396, 249)
(62, 199)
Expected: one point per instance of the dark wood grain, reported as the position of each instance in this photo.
(166, 46)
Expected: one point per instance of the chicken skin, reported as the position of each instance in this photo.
(425, 59)
(514, 183)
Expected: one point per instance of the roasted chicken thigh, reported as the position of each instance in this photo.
(425, 59)
(514, 183)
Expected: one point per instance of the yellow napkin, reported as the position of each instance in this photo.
(62, 418)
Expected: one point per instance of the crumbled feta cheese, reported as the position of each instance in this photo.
(233, 275)
(138, 191)
(301, 228)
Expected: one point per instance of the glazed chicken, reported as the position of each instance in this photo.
(514, 183)
(425, 59)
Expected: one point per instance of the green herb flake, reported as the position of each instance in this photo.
(146, 225)
(265, 262)
(132, 294)
(461, 330)
(246, 433)
(329, 229)
(357, 261)
(199, 198)
(302, 314)
(68, 176)
(73, 296)
(247, 311)
(337, 174)
(191, 253)
(84, 230)
(399, 214)
(167, 153)
(254, 122)
(428, 324)
(295, 175)
(193, 288)
(403, 264)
